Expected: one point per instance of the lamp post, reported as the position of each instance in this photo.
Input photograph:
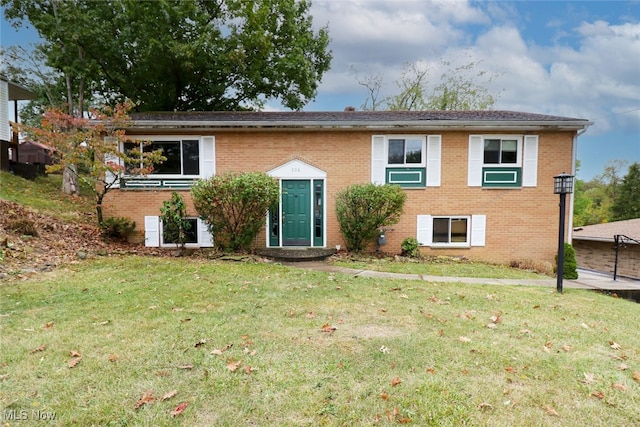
(563, 185)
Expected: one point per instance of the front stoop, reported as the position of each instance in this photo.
(295, 254)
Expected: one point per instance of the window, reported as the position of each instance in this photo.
(191, 235)
(503, 161)
(197, 236)
(457, 231)
(450, 230)
(406, 160)
(500, 151)
(405, 151)
(182, 156)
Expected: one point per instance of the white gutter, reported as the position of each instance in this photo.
(574, 160)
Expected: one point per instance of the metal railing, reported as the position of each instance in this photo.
(621, 240)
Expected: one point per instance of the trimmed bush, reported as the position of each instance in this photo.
(174, 221)
(117, 228)
(409, 247)
(362, 209)
(234, 205)
(570, 265)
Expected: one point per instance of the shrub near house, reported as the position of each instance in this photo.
(478, 184)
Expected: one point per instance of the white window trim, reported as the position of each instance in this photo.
(153, 232)
(431, 158)
(421, 138)
(518, 163)
(476, 231)
(452, 244)
(206, 165)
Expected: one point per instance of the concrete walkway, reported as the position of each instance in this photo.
(586, 279)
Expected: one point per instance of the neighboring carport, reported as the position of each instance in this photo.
(612, 248)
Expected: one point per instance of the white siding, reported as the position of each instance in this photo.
(152, 231)
(530, 161)
(476, 159)
(434, 157)
(377, 160)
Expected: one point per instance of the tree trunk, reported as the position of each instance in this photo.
(70, 181)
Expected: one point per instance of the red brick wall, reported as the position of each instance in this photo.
(522, 224)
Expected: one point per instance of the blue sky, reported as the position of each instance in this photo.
(570, 58)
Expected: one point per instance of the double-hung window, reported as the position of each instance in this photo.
(406, 160)
(503, 161)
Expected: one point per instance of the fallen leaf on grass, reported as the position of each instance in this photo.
(113, 358)
(311, 315)
(485, 406)
(48, 325)
(598, 394)
(404, 420)
(566, 348)
(589, 378)
(619, 386)
(74, 353)
(219, 351)
(623, 367)
(396, 381)
(549, 409)
(636, 376)
(185, 367)
(200, 343)
(384, 395)
(464, 339)
(328, 328)
(73, 362)
(233, 365)
(41, 347)
(614, 345)
(510, 369)
(179, 409)
(248, 369)
(169, 395)
(147, 397)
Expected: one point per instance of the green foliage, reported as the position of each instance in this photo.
(174, 221)
(410, 248)
(188, 54)
(234, 206)
(362, 209)
(117, 228)
(626, 204)
(593, 200)
(570, 265)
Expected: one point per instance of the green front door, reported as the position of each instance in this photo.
(296, 213)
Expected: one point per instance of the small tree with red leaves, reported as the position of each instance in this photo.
(91, 148)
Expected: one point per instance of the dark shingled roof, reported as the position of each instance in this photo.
(350, 116)
(605, 232)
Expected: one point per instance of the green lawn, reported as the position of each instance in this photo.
(439, 266)
(254, 344)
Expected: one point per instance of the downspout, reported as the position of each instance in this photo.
(574, 159)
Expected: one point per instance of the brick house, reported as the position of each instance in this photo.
(595, 247)
(479, 183)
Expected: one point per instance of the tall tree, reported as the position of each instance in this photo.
(182, 54)
(626, 204)
(459, 87)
